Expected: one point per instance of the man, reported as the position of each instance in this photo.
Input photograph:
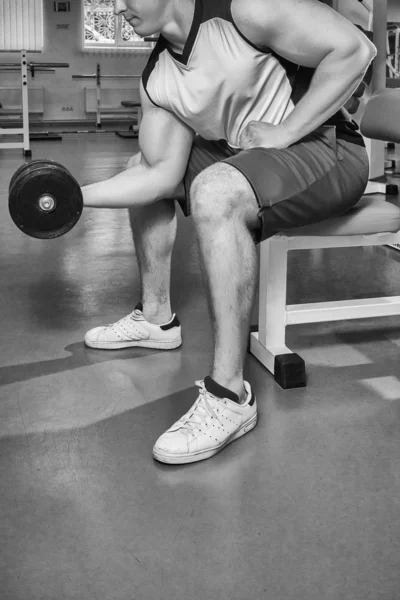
(262, 84)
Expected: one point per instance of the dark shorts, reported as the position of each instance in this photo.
(316, 178)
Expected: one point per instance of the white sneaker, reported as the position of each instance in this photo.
(211, 424)
(134, 331)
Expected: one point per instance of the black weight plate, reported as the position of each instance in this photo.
(24, 201)
(29, 165)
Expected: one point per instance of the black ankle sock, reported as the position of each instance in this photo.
(218, 390)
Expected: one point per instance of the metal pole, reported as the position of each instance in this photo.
(25, 103)
(121, 76)
(380, 38)
(98, 97)
(18, 70)
(50, 65)
(36, 65)
(377, 148)
(94, 76)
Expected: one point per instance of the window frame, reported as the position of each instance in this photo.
(119, 45)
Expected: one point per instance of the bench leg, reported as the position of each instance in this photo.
(268, 344)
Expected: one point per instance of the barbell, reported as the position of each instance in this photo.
(45, 200)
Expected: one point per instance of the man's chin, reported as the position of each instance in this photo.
(138, 28)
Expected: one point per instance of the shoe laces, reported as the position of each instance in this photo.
(200, 412)
(136, 315)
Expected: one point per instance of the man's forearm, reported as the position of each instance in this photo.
(334, 81)
(136, 186)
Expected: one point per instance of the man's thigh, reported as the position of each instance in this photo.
(204, 153)
(317, 178)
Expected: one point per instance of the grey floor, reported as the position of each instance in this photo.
(306, 507)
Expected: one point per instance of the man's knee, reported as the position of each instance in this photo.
(221, 191)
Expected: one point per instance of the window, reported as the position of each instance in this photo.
(21, 25)
(104, 31)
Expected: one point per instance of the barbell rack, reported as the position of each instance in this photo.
(98, 78)
(23, 66)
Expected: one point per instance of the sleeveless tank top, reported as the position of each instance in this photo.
(222, 81)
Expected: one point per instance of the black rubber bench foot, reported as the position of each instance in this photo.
(392, 190)
(390, 164)
(290, 371)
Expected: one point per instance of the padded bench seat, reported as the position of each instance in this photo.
(130, 104)
(372, 214)
(393, 82)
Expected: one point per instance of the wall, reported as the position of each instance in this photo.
(66, 46)
(394, 11)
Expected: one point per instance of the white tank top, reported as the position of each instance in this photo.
(222, 81)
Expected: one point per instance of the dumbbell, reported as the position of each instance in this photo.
(45, 201)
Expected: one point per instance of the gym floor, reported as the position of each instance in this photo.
(306, 507)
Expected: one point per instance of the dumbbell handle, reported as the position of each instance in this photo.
(46, 203)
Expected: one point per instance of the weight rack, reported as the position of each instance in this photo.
(23, 67)
(98, 77)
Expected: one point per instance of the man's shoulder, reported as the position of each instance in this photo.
(263, 12)
(260, 19)
(254, 17)
(264, 7)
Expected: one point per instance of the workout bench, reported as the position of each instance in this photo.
(133, 132)
(372, 222)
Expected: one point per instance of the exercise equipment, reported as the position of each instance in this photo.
(24, 66)
(45, 136)
(98, 77)
(45, 200)
(131, 133)
(393, 51)
(392, 40)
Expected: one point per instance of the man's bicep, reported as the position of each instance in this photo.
(164, 139)
(302, 31)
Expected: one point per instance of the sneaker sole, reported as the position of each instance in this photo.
(159, 345)
(173, 459)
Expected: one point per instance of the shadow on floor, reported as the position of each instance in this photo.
(81, 356)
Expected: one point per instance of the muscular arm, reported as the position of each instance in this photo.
(310, 34)
(165, 143)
